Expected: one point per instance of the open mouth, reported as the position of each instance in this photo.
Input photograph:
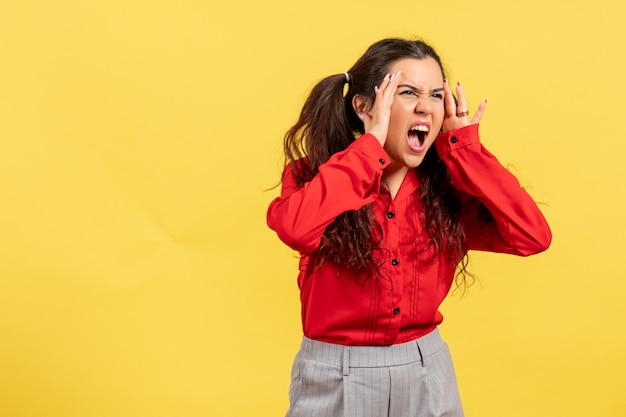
(417, 137)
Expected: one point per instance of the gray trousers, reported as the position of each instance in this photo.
(414, 379)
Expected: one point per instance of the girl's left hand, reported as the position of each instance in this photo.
(456, 115)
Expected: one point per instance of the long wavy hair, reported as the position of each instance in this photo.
(328, 124)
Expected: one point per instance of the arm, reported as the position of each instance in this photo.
(519, 227)
(347, 181)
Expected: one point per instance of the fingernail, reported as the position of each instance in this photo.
(376, 89)
(387, 77)
(485, 101)
(458, 83)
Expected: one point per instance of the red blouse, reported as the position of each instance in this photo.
(337, 309)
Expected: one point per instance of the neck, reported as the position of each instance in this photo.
(393, 177)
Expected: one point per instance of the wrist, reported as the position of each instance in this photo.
(379, 134)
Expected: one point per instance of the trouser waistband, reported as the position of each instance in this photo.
(372, 356)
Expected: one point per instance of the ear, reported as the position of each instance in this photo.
(360, 104)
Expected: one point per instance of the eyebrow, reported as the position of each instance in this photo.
(417, 90)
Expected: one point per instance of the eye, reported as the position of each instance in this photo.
(437, 96)
(407, 93)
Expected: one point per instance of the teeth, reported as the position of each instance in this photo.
(420, 128)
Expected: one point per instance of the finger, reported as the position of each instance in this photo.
(479, 113)
(384, 82)
(379, 89)
(461, 106)
(390, 82)
(384, 93)
(449, 100)
(392, 86)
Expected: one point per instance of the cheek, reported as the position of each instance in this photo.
(395, 118)
(400, 111)
(438, 116)
(440, 109)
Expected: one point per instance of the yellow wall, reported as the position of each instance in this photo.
(137, 139)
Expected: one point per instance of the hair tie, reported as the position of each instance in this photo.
(347, 77)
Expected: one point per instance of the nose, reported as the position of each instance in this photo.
(423, 105)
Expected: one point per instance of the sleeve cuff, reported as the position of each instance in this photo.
(454, 139)
(369, 145)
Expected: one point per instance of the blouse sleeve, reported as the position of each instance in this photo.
(519, 227)
(347, 181)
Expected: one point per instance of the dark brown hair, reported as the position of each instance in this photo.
(328, 124)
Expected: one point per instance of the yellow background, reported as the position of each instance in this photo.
(138, 139)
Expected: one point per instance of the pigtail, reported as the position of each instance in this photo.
(327, 125)
(321, 130)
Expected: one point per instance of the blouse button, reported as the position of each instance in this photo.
(396, 310)
(395, 262)
(453, 139)
(390, 215)
(382, 161)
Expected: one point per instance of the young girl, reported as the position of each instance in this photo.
(383, 221)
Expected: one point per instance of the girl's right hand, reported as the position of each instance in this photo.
(376, 120)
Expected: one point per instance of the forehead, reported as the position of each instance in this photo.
(418, 71)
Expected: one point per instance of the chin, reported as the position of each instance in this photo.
(415, 161)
